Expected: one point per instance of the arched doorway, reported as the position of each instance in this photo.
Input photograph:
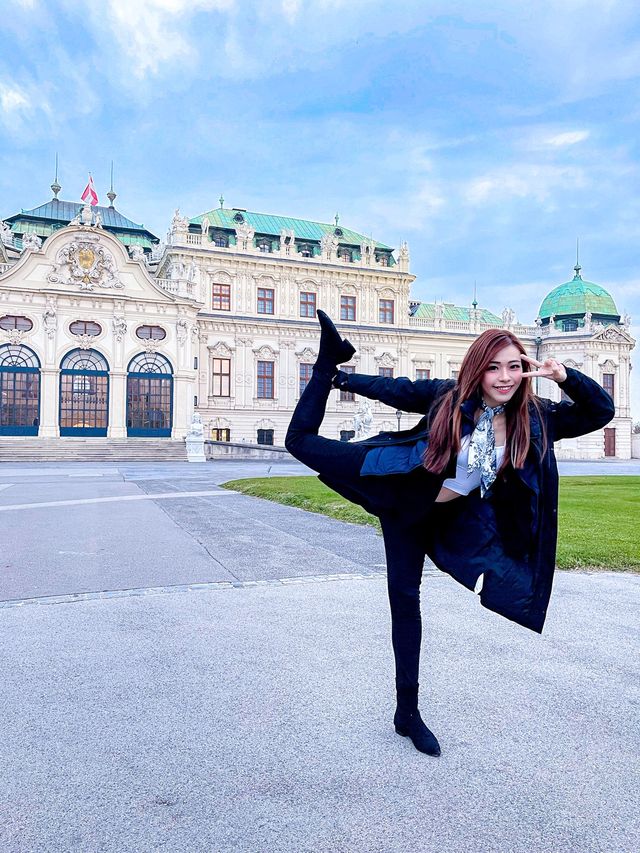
(84, 393)
(19, 390)
(149, 395)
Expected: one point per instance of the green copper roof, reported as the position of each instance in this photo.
(427, 310)
(265, 223)
(577, 297)
(49, 217)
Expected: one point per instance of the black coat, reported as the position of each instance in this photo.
(509, 537)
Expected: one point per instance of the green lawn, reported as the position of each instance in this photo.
(599, 517)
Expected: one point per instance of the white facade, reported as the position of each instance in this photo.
(210, 302)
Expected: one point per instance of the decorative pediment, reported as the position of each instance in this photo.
(615, 334)
(307, 355)
(265, 423)
(265, 353)
(87, 264)
(386, 360)
(220, 277)
(221, 350)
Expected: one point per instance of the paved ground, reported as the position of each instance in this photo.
(208, 672)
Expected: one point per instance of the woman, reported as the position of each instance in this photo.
(474, 485)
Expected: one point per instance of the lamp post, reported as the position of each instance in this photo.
(399, 417)
(538, 343)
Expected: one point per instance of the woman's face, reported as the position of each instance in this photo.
(502, 378)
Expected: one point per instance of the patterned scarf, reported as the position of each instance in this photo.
(482, 449)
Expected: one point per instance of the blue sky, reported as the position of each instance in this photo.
(489, 135)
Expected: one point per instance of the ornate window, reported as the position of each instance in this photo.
(221, 374)
(305, 376)
(264, 245)
(220, 434)
(11, 321)
(19, 390)
(422, 373)
(306, 250)
(347, 308)
(221, 297)
(265, 300)
(219, 238)
(265, 380)
(151, 333)
(84, 393)
(239, 218)
(347, 396)
(386, 372)
(569, 325)
(608, 383)
(386, 310)
(345, 254)
(383, 259)
(307, 304)
(85, 327)
(149, 395)
(265, 436)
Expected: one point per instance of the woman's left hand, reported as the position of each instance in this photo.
(549, 368)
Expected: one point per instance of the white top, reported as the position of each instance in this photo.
(464, 483)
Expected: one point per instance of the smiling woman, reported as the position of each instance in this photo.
(474, 485)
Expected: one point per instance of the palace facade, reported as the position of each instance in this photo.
(106, 332)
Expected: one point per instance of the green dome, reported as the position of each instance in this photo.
(576, 298)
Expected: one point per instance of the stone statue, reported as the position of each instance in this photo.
(6, 235)
(76, 219)
(156, 251)
(404, 250)
(587, 319)
(86, 215)
(194, 440)
(196, 429)
(31, 241)
(49, 320)
(98, 219)
(244, 234)
(328, 244)
(205, 225)
(182, 330)
(363, 421)
(508, 316)
(626, 321)
(119, 327)
(137, 253)
(179, 223)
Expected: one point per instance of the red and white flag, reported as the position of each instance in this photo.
(90, 193)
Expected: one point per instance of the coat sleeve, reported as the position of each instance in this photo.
(399, 393)
(591, 407)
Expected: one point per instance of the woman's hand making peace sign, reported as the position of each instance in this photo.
(549, 368)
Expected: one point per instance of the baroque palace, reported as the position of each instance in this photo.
(108, 334)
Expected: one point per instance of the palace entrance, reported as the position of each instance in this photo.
(84, 393)
(19, 390)
(149, 396)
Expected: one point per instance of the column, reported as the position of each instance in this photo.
(49, 393)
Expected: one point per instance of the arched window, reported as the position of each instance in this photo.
(151, 333)
(19, 390)
(84, 393)
(221, 239)
(85, 327)
(264, 245)
(345, 254)
(306, 250)
(149, 395)
(11, 321)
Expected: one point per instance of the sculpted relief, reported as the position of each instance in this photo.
(86, 264)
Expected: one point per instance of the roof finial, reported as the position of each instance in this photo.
(337, 219)
(577, 267)
(475, 300)
(111, 195)
(221, 200)
(55, 186)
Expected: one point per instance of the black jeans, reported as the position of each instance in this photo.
(404, 548)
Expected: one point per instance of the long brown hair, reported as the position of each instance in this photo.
(444, 435)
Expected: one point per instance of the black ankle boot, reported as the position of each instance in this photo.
(334, 349)
(410, 724)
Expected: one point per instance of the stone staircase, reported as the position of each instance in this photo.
(72, 449)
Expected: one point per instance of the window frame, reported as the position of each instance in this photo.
(309, 305)
(224, 296)
(265, 380)
(221, 375)
(347, 396)
(266, 301)
(386, 308)
(306, 368)
(348, 304)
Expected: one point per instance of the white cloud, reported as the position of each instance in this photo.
(12, 100)
(570, 137)
(526, 180)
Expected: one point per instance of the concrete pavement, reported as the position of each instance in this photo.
(224, 683)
